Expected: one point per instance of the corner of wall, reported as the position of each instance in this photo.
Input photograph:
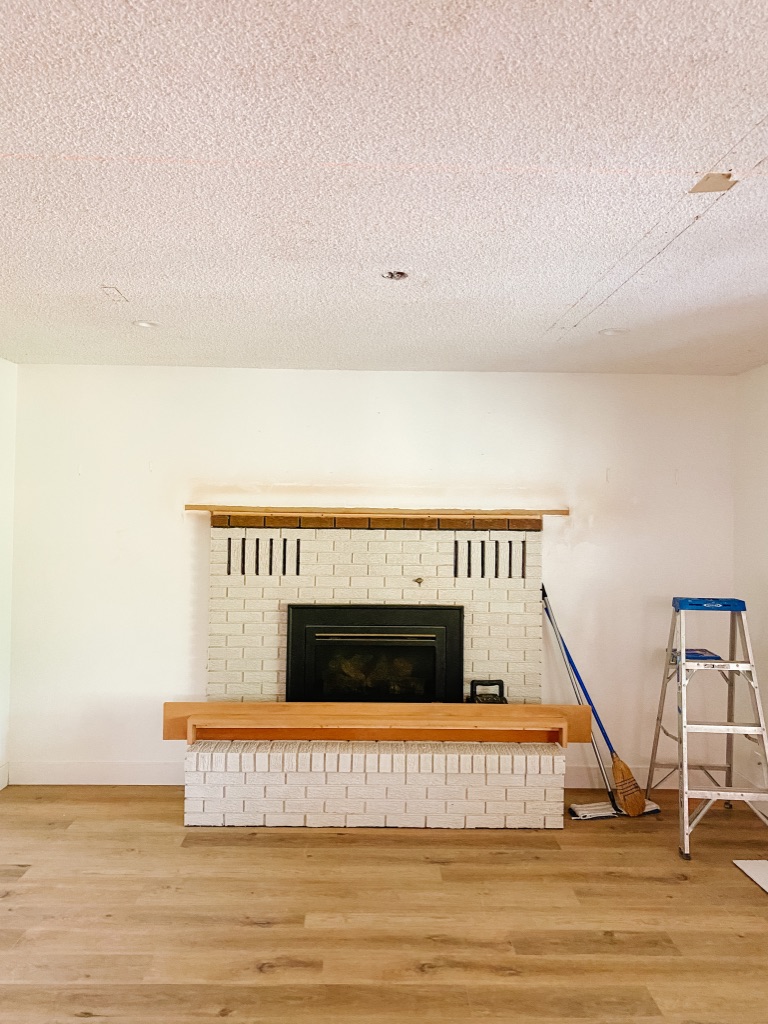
(8, 405)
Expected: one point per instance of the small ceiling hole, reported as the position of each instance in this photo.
(395, 275)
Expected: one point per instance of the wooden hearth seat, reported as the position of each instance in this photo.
(501, 723)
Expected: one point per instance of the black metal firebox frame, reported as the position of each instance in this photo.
(443, 623)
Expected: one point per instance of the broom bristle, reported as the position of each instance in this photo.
(629, 796)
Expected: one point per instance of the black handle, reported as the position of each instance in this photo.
(497, 684)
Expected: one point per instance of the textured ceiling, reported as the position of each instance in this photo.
(244, 172)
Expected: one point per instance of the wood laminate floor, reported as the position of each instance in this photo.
(110, 910)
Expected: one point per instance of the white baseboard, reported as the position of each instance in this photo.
(96, 773)
(588, 777)
(171, 773)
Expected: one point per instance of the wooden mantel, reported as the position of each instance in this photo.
(503, 723)
(377, 518)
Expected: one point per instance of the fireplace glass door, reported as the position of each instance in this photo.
(375, 653)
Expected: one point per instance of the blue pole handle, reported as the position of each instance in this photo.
(575, 671)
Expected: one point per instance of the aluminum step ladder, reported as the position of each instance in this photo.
(683, 663)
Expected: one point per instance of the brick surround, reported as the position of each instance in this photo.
(255, 573)
(374, 784)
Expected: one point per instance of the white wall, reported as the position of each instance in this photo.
(8, 378)
(110, 582)
(751, 502)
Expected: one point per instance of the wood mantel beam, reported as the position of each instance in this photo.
(376, 518)
(504, 723)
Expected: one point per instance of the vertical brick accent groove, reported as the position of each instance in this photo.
(249, 617)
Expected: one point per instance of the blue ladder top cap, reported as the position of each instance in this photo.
(708, 604)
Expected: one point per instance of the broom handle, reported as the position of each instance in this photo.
(575, 671)
(579, 698)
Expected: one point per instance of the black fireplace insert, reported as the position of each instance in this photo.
(375, 652)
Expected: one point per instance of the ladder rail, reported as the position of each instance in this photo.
(731, 707)
(665, 679)
(757, 704)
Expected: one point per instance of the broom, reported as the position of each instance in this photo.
(629, 796)
(608, 810)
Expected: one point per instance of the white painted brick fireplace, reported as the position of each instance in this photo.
(255, 573)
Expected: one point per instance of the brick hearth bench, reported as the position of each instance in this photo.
(403, 784)
(357, 764)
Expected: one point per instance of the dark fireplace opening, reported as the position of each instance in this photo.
(375, 653)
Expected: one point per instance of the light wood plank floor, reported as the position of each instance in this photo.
(111, 910)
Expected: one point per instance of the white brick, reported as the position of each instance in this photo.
(343, 779)
(345, 806)
(326, 820)
(193, 805)
(530, 793)
(260, 806)
(524, 821)
(486, 793)
(192, 790)
(285, 791)
(445, 821)
(244, 792)
(404, 820)
(380, 806)
(203, 819)
(222, 806)
(465, 807)
(369, 791)
(224, 677)
(278, 819)
(322, 792)
(294, 806)
(224, 778)
(484, 820)
(365, 821)
(407, 792)
(243, 819)
(548, 780)
(542, 807)
(447, 792)
(425, 806)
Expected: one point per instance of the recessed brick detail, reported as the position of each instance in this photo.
(374, 784)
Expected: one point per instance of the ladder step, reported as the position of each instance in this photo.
(693, 767)
(717, 665)
(728, 793)
(708, 604)
(740, 728)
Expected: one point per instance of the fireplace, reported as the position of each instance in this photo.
(376, 653)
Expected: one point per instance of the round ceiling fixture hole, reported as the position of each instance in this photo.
(395, 275)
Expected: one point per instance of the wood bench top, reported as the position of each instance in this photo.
(519, 723)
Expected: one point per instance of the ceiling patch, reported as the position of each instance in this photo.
(714, 182)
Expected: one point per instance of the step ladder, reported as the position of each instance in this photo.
(683, 663)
